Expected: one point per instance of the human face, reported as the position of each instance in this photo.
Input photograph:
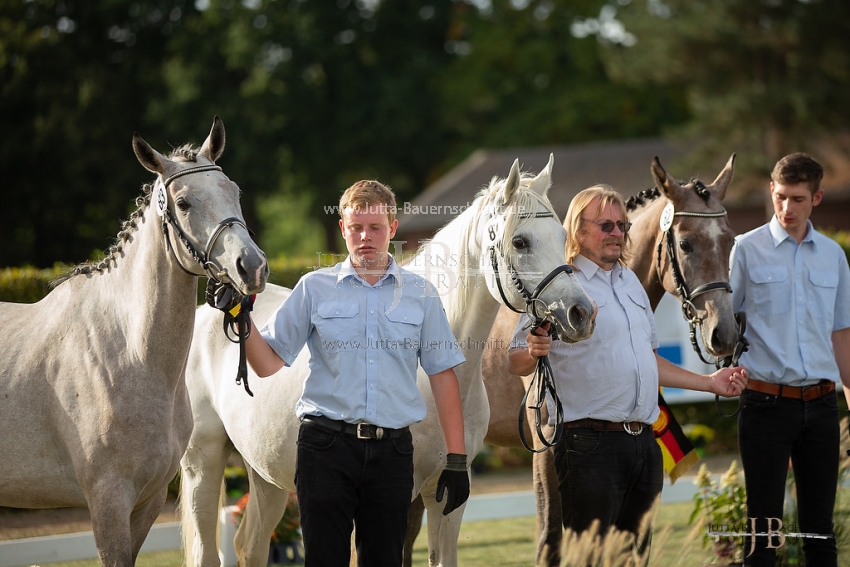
(367, 236)
(793, 206)
(604, 249)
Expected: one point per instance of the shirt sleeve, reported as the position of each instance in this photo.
(439, 349)
(842, 298)
(289, 327)
(520, 333)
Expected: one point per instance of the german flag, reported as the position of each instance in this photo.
(679, 455)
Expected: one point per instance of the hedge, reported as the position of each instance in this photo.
(28, 285)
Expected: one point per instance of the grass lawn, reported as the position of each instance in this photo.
(511, 542)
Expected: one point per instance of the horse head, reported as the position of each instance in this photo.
(200, 213)
(692, 254)
(522, 255)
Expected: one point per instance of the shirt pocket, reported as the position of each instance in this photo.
(771, 289)
(404, 322)
(638, 312)
(337, 323)
(823, 291)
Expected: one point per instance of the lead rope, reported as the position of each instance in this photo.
(236, 323)
(544, 378)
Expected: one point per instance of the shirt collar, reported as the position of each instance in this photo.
(779, 234)
(346, 269)
(589, 268)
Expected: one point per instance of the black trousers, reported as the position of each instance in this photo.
(343, 482)
(610, 476)
(770, 430)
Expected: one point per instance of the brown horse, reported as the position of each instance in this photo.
(701, 240)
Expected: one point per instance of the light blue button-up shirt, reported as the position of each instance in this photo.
(795, 296)
(365, 343)
(613, 375)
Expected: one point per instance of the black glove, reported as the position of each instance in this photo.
(455, 480)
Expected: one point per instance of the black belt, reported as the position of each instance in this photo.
(630, 427)
(360, 430)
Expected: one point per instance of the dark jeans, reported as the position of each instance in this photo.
(609, 476)
(343, 482)
(770, 430)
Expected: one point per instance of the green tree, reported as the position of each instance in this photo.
(523, 77)
(763, 78)
(75, 78)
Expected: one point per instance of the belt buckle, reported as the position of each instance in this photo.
(364, 433)
(811, 393)
(633, 433)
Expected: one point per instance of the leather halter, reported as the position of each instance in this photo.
(686, 295)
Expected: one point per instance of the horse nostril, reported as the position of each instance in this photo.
(240, 269)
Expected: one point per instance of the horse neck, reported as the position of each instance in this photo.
(153, 299)
(470, 308)
(643, 245)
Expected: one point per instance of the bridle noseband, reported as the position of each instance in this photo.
(686, 295)
(532, 299)
(213, 270)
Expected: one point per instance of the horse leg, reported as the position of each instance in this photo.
(262, 513)
(143, 518)
(111, 503)
(443, 532)
(202, 472)
(549, 518)
(414, 526)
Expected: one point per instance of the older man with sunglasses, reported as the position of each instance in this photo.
(609, 464)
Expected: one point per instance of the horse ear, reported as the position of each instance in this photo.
(512, 183)
(150, 159)
(213, 146)
(724, 178)
(667, 184)
(543, 181)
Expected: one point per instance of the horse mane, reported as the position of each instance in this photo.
(184, 153)
(639, 200)
(461, 230)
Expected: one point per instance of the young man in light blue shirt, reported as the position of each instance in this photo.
(368, 324)
(794, 285)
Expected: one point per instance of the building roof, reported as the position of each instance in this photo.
(625, 165)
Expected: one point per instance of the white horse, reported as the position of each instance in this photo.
(93, 405)
(509, 239)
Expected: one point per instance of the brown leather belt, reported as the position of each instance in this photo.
(630, 427)
(805, 393)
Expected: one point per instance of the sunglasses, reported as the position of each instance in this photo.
(608, 226)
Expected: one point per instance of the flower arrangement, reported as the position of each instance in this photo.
(287, 530)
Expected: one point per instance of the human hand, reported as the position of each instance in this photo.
(729, 382)
(454, 480)
(539, 341)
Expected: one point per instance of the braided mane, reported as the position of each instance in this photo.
(184, 153)
(653, 193)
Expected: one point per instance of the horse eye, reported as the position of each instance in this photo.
(519, 242)
(182, 204)
(685, 246)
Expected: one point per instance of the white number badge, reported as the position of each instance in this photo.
(161, 197)
(667, 217)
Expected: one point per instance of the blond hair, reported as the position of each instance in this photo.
(369, 196)
(607, 196)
